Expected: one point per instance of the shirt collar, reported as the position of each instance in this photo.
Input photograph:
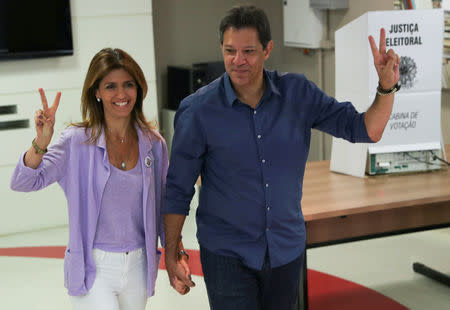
(271, 85)
(229, 91)
(231, 95)
(101, 141)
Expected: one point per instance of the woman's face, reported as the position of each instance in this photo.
(118, 92)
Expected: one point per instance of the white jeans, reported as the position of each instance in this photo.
(120, 282)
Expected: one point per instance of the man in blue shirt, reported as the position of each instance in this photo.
(247, 135)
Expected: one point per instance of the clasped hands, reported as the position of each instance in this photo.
(179, 274)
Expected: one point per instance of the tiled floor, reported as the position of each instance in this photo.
(382, 264)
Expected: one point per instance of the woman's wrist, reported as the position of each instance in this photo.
(39, 146)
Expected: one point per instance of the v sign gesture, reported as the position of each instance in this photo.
(387, 66)
(386, 63)
(44, 120)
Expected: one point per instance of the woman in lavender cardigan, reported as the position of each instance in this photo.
(112, 167)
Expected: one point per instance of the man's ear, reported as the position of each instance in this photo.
(268, 49)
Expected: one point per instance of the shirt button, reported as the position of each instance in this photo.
(268, 208)
(263, 161)
(254, 112)
(259, 136)
(267, 228)
(267, 185)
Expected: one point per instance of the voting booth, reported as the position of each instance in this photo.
(413, 133)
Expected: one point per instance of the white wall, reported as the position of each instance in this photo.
(95, 24)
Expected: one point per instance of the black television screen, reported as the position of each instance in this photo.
(32, 29)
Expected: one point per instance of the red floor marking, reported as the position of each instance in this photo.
(194, 262)
(325, 292)
(35, 251)
(329, 292)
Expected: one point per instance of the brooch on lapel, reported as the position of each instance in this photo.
(148, 161)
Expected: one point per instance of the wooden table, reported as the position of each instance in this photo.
(341, 208)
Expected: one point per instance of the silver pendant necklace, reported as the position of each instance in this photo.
(123, 165)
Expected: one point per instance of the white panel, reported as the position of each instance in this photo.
(30, 74)
(423, 60)
(423, 4)
(134, 34)
(30, 211)
(351, 75)
(303, 26)
(348, 158)
(351, 50)
(445, 4)
(415, 119)
(86, 8)
(359, 99)
(69, 71)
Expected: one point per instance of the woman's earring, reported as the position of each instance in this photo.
(99, 100)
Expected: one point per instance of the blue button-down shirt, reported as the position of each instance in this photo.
(252, 163)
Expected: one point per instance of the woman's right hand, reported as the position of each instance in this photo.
(45, 120)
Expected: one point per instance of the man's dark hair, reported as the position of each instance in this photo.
(244, 16)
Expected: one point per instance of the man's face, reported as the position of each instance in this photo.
(244, 56)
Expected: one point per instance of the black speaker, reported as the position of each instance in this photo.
(183, 81)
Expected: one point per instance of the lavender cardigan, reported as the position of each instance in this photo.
(82, 171)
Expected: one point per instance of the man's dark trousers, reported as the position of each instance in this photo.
(233, 286)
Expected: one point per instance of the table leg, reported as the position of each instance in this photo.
(431, 273)
(302, 303)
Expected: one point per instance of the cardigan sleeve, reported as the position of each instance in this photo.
(50, 170)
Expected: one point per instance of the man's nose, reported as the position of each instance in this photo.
(239, 59)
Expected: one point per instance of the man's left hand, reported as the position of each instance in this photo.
(386, 63)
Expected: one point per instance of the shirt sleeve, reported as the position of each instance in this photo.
(186, 159)
(50, 170)
(339, 119)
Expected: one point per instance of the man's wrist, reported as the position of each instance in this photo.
(385, 92)
(182, 253)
